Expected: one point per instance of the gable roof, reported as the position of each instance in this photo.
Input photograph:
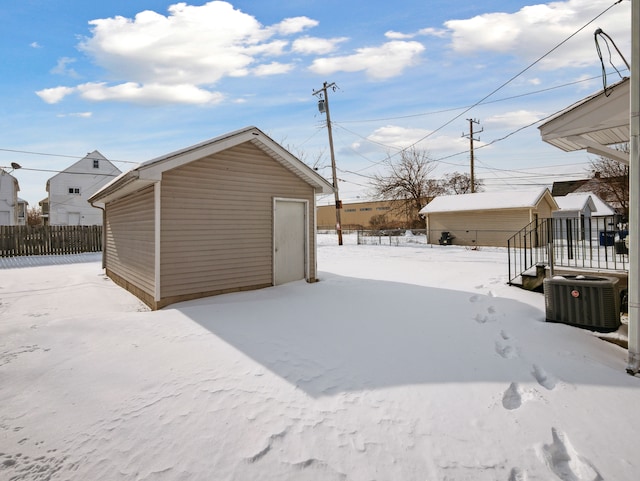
(602, 209)
(516, 199)
(577, 202)
(151, 171)
(564, 187)
(77, 167)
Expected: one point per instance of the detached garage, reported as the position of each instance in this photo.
(485, 218)
(233, 213)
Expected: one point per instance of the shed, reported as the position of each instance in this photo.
(575, 206)
(486, 218)
(233, 213)
(573, 219)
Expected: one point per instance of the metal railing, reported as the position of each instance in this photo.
(572, 242)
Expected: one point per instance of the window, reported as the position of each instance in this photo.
(383, 208)
(96, 164)
(349, 210)
(74, 190)
(363, 209)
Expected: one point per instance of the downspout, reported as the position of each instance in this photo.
(633, 366)
(104, 234)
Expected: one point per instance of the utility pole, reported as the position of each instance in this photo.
(471, 139)
(323, 106)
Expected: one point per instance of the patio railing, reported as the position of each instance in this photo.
(579, 243)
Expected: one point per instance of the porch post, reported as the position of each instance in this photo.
(633, 366)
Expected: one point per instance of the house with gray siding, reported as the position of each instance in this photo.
(233, 213)
(485, 218)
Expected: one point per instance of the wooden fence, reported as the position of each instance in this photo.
(22, 240)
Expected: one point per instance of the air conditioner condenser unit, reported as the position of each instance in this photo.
(583, 301)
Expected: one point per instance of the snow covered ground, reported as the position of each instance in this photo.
(402, 363)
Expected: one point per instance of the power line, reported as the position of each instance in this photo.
(516, 75)
(62, 155)
(452, 109)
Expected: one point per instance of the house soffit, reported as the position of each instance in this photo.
(593, 124)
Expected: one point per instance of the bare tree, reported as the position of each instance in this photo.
(408, 182)
(34, 216)
(458, 183)
(614, 180)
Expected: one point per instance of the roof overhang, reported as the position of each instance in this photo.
(593, 124)
(151, 171)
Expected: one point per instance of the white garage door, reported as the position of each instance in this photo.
(289, 240)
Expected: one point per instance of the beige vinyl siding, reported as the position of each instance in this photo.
(129, 247)
(483, 228)
(217, 218)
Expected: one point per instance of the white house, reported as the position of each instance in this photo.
(70, 189)
(8, 199)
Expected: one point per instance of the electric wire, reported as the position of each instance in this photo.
(515, 76)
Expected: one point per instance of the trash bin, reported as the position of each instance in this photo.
(607, 238)
(583, 301)
(445, 239)
(621, 247)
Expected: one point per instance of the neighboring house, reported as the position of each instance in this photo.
(359, 214)
(9, 188)
(585, 216)
(70, 189)
(573, 219)
(595, 186)
(485, 218)
(23, 206)
(44, 210)
(234, 213)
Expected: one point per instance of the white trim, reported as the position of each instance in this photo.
(306, 236)
(157, 213)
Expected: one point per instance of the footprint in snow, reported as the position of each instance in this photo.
(505, 351)
(517, 474)
(565, 462)
(512, 399)
(545, 380)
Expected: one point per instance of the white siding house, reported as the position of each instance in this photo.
(70, 189)
(8, 199)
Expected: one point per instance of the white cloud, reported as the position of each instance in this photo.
(55, 94)
(82, 115)
(432, 32)
(178, 57)
(149, 93)
(135, 93)
(274, 68)
(294, 25)
(398, 35)
(35, 45)
(517, 118)
(386, 61)
(536, 29)
(315, 45)
(62, 67)
(397, 137)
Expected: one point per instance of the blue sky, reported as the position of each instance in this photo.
(139, 79)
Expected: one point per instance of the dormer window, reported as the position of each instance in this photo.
(74, 190)
(96, 163)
